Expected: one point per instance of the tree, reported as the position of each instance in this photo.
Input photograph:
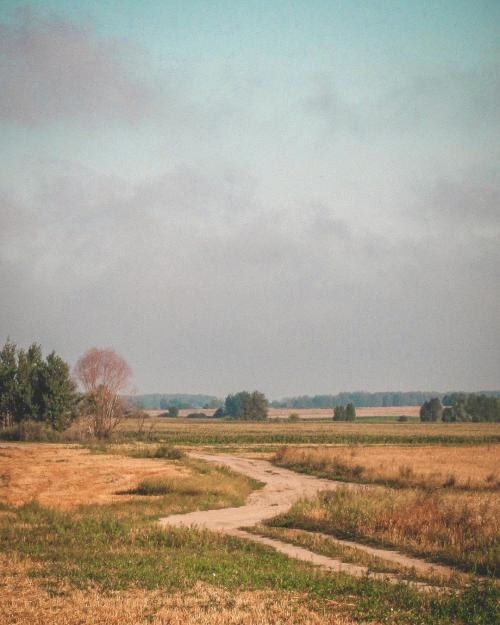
(104, 375)
(34, 388)
(173, 411)
(344, 413)
(246, 406)
(431, 410)
(8, 383)
(58, 392)
(350, 412)
(339, 413)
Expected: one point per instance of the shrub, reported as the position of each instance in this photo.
(29, 430)
(169, 452)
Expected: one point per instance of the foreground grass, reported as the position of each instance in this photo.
(400, 466)
(459, 529)
(97, 549)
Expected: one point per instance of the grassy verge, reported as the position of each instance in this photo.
(462, 530)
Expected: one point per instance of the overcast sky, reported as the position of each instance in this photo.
(293, 196)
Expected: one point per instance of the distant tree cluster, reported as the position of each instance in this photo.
(344, 413)
(462, 407)
(162, 401)
(473, 408)
(245, 406)
(34, 388)
(431, 410)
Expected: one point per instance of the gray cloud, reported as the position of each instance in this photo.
(199, 294)
(51, 69)
(273, 236)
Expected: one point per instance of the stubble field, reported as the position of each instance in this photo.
(79, 533)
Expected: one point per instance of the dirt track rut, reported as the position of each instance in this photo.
(282, 489)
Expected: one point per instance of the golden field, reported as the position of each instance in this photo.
(464, 466)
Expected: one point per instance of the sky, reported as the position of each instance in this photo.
(298, 197)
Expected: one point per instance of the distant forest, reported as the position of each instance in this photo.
(162, 401)
(361, 399)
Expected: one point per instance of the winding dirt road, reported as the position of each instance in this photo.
(283, 488)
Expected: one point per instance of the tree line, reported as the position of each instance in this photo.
(363, 399)
(461, 407)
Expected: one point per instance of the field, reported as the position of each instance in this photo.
(79, 531)
(462, 467)
(316, 413)
(217, 433)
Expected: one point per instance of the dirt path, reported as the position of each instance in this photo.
(283, 488)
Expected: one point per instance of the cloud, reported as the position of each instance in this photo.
(51, 69)
(200, 285)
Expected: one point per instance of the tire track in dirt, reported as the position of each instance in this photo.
(282, 489)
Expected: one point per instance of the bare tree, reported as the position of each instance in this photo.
(104, 375)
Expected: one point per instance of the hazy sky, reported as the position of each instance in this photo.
(299, 197)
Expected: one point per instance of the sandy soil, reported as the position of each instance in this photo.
(65, 476)
(282, 488)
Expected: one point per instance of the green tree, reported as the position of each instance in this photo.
(431, 410)
(246, 406)
(339, 413)
(173, 411)
(58, 393)
(8, 383)
(344, 413)
(34, 388)
(350, 412)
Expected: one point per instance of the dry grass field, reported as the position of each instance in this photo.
(65, 476)
(84, 553)
(465, 466)
(445, 506)
(462, 529)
